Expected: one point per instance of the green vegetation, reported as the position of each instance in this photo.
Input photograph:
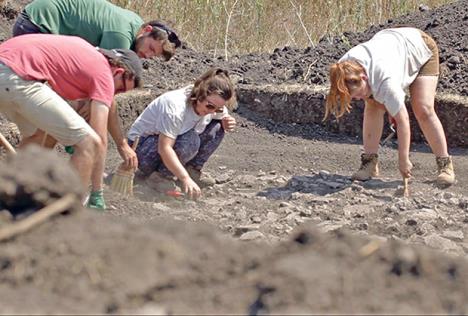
(226, 27)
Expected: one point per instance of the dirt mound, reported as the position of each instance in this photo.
(153, 268)
(28, 183)
(447, 24)
(151, 255)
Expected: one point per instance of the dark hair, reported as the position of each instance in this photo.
(126, 59)
(156, 33)
(214, 81)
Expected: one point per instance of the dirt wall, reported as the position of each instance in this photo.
(305, 104)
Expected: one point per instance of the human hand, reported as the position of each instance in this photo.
(405, 167)
(229, 123)
(190, 188)
(129, 156)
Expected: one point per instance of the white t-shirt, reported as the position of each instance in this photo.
(171, 115)
(392, 60)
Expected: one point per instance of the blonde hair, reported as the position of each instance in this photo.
(214, 81)
(344, 77)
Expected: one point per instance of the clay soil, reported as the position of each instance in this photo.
(283, 231)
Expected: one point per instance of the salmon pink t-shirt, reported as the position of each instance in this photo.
(70, 65)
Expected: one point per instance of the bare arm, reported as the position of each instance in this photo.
(404, 137)
(172, 162)
(126, 152)
(98, 121)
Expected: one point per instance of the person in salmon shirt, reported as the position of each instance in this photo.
(39, 72)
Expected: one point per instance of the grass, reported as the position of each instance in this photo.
(227, 27)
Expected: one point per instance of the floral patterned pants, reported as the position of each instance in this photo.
(191, 148)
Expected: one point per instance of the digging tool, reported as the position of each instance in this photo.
(7, 144)
(122, 181)
(406, 192)
(390, 136)
(175, 193)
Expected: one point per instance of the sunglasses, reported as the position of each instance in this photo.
(210, 106)
(171, 35)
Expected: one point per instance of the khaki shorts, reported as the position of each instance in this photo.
(34, 105)
(431, 67)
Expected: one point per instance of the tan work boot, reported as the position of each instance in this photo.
(369, 167)
(202, 179)
(446, 175)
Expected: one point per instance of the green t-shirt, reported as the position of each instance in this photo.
(99, 22)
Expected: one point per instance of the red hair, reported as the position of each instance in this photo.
(344, 76)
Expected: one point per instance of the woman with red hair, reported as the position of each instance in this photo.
(378, 72)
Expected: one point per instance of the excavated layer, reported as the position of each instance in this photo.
(305, 104)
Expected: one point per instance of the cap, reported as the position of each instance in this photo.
(171, 34)
(128, 57)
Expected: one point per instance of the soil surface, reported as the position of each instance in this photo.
(283, 230)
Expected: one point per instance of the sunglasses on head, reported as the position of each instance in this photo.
(171, 35)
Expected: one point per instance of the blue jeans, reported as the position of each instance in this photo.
(24, 26)
(191, 148)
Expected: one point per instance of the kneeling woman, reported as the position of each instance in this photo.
(181, 129)
(378, 72)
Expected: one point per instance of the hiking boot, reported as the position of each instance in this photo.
(369, 167)
(446, 175)
(161, 183)
(202, 179)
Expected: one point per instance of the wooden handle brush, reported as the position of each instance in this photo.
(122, 180)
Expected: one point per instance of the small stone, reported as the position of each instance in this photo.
(271, 216)
(438, 242)
(324, 174)
(454, 235)
(251, 235)
(285, 204)
(333, 184)
(239, 230)
(256, 219)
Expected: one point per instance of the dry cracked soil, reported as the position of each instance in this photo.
(283, 231)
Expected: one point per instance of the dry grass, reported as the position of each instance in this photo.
(226, 27)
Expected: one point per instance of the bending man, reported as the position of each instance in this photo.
(39, 72)
(99, 22)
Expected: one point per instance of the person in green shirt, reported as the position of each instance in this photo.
(107, 26)
(99, 22)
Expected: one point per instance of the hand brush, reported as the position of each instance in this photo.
(122, 180)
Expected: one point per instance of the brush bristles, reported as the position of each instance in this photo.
(122, 182)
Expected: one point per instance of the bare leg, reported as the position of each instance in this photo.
(372, 126)
(38, 138)
(83, 157)
(422, 100)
